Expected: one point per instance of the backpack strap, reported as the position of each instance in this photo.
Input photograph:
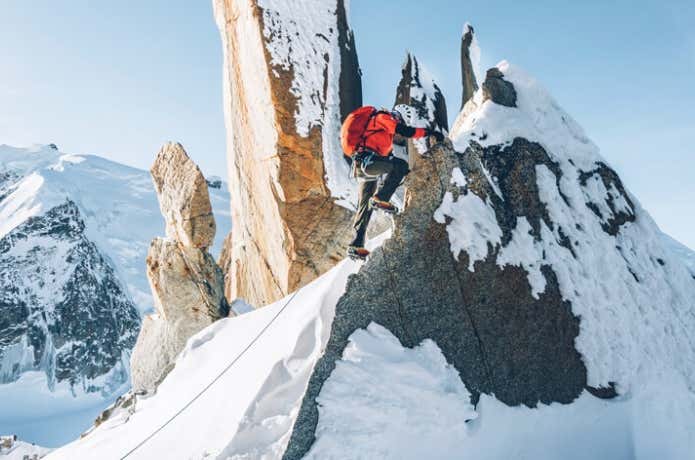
(369, 132)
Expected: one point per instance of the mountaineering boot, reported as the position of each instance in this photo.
(356, 253)
(376, 203)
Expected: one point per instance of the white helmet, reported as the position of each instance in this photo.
(405, 114)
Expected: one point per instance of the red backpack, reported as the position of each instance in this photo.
(354, 132)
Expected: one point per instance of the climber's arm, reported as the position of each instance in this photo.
(410, 132)
(417, 133)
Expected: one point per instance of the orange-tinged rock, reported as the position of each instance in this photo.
(291, 74)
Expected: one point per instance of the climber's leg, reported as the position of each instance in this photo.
(365, 191)
(398, 169)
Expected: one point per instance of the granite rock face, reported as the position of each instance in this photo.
(504, 334)
(183, 197)
(418, 89)
(291, 75)
(187, 284)
(487, 322)
(63, 310)
(497, 89)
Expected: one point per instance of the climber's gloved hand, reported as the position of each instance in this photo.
(439, 137)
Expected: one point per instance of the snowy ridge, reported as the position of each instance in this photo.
(249, 412)
(385, 389)
(635, 298)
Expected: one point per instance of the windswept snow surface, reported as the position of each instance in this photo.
(248, 413)
(385, 401)
(389, 402)
(683, 252)
(635, 297)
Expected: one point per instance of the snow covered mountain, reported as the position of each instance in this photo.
(523, 304)
(535, 312)
(74, 234)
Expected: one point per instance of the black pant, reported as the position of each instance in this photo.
(369, 168)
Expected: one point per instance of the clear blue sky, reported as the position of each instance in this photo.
(119, 78)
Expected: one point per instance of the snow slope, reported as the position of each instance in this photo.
(684, 253)
(230, 419)
(389, 402)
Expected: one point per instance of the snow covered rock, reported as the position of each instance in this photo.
(418, 89)
(497, 89)
(187, 284)
(183, 197)
(291, 75)
(63, 310)
(523, 257)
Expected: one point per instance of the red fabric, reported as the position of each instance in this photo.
(354, 127)
(372, 130)
(379, 134)
(419, 132)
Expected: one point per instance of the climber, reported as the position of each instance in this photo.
(367, 138)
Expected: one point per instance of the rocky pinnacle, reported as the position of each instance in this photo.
(468, 80)
(187, 285)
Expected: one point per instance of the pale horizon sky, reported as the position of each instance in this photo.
(118, 79)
